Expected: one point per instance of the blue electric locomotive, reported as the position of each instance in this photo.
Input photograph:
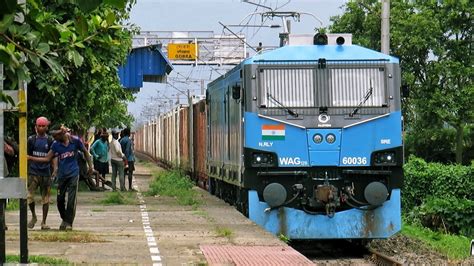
(306, 140)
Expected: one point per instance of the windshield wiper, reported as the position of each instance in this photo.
(366, 97)
(281, 106)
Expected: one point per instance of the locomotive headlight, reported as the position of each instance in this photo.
(317, 138)
(262, 159)
(330, 138)
(385, 158)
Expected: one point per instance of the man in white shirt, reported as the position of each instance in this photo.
(117, 161)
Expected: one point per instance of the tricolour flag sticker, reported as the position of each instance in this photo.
(273, 132)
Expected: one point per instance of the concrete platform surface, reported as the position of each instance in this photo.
(147, 231)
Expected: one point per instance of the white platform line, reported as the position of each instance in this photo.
(151, 240)
(154, 251)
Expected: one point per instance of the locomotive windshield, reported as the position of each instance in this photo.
(336, 85)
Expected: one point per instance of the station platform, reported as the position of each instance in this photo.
(152, 230)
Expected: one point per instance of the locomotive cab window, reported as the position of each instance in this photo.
(350, 86)
(337, 85)
(289, 87)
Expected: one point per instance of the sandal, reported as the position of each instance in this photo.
(32, 223)
(45, 227)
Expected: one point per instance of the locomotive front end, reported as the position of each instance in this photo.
(323, 142)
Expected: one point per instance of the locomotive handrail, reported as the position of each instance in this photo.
(366, 172)
(282, 173)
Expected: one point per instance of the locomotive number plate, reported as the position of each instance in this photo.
(354, 160)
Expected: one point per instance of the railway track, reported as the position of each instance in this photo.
(382, 259)
(341, 252)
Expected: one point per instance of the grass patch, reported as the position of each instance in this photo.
(174, 184)
(82, 186)
(203, 214)
(38, 259)
(97, 210)
(284, 238)
(71, 236)
(223, 232)
(453, 246)
(13, 205)
(147, 164)
(54, 191)
(117, 198)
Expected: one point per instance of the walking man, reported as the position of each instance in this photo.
(117, 158)
(127, 148)
(39, 174)
(65, 148)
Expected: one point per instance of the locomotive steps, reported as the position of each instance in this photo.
(127, 233)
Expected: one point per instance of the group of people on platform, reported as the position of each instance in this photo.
(119, 152)
(57, 157)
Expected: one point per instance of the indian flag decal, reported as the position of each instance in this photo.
(273, 132)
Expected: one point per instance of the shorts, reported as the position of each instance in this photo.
(44, 183)
(102, 168)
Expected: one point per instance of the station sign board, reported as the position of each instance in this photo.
(182, 51)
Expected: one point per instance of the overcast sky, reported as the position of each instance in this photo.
(204, 15)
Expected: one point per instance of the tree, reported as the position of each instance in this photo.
(433, 40)
(68, 51)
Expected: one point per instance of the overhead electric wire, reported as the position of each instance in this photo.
(278, 7)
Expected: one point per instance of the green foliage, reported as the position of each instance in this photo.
(13, 205)
(284, 238)
(435, 144)
(454, 247)
(424, 180)
(69, 52)
(174, 184)
(117, 198)
(449, 214)
(433, 40)
(439, 196)
(223, 232)
(38, 259)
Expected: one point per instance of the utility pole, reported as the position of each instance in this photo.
(385, 34)
(15, 188)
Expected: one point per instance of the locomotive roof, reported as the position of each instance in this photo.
(315, 52)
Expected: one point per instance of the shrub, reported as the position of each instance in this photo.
(424, 180)
(449, 214)
(417, 183)
(439, 196)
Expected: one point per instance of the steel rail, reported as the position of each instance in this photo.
(381, 259)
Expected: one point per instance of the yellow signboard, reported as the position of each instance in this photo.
(182, 51)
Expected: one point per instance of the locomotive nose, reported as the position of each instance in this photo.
(376, 193)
